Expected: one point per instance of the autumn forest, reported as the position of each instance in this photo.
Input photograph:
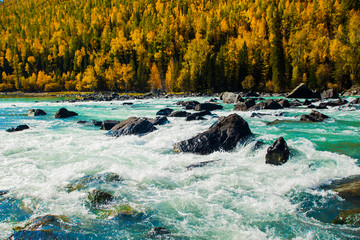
(178, 45)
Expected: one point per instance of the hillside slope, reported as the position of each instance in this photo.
(178, 45)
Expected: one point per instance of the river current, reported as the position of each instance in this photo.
(238, 196)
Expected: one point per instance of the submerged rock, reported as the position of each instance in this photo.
(223, 135)
(314, 116)
(157, 232)
(351, 217)
(132, 126)
(64, 113)
(43, 227)
(200, 164)
(35, 112)
(3, 192)
(277, 153)
(99, 197)
(347, 188)
(93, 180)
(119, 211)
(301, 91)
(18, 128)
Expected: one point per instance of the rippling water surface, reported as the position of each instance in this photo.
(236, 197)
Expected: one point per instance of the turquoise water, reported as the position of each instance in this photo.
(237, 197)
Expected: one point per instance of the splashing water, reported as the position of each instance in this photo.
(236, 197)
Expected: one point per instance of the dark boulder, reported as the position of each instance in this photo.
(330, 93)
(224, 135)
(284, 103)
(165, 112)
(301, 91)
(99, 197)
(295, 103)
(307, 102)
(251, 94)
(314, 116)
(179, 114)
(108, 124)
(245, 106)
(190, 104)
(3, 192)
(132, 126)
(127, 103)
(158, 120)
(272, 104)
(277, 153)
(198, 116)
(64, 113)
(355, 101)
(207, 107)
(96, 123)
(18, 128)
(35, 112)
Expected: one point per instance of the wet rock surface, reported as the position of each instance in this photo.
(64, 113)
(223, 135)
(35, 112)
(18, 128)
(278, 152)
(132, 126)
(301, 91)
(314, 116)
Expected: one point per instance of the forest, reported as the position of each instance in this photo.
(178, 45)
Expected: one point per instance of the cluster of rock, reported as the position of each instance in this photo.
(113, 96)
(101, 202)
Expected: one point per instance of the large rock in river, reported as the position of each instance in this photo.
(229, 97)
(314, 116)
(330, 93)
(64, 113)
(277, 153)
(301, 91)
(35, 112)
(18, 128)
(224, 135)
(132, 126)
